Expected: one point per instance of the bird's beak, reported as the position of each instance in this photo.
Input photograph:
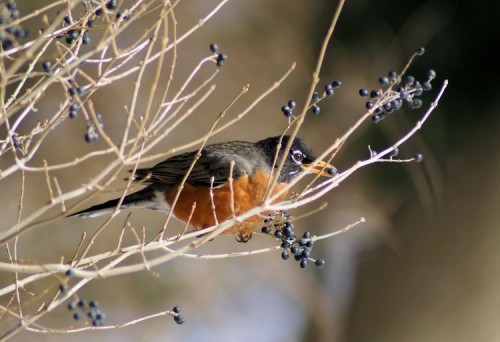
(320, 168)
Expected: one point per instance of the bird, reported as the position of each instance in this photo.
(209, 195)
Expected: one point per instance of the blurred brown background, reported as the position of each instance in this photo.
(423, 267)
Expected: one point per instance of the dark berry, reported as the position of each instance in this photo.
(287, 111)
(86, 38)
(431, 74)
(21, 33)
(90, 23)
(376, 118)
(294, 250)
(287, 231)
(63, 288)
(285, 255)
(219, 62)
(99, 315)
(309, 244)
(302, 242)
(306, 235)
(67, 20)
(14, 14)
(363, 92)
(329, 92)
(303, 263)
(266, 230)
(419, 157)
(292, 104)
(278, 234)
(46, 65)
(73, 34)
(77, 316)
(374, 93)
(332, 171)
(315, 95)
(98, 12)
(90, 137)
(16, 142)
(393, 75)
(214, 47)
(94, 304)
(222, 57)
(70, 273)
(416, 104)
(420, 51)
(383, 80)
(111, 4)
(82, 303)
(176, 309)
(336, 84)
(72, 92)
(305, 254)
(316, 109)
(395, 104)
(426, 86)
(71, 306)
(7, 44)
(319, 262)
(409, 80)
(285, 244)
(179, 319)
(369, 105)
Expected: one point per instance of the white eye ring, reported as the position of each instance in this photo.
(297, 157)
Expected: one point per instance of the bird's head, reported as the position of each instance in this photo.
(300, 157)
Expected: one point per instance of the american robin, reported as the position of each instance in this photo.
(207, 185)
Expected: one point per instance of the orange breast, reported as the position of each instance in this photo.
(247, 193)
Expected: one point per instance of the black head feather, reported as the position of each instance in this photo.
(299, 154)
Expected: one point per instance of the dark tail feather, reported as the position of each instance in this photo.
(144, 198)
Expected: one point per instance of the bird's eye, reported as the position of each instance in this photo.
(297, 156)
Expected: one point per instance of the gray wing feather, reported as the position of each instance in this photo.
(212, 163)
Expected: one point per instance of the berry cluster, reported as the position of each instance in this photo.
(83, 307)
(282, 228)
(92, 134)
(399, 90)
(178, 318)
(288, 108)
(221, 58)
(9, 34)
(71, 36)
(89, 309)
(112, 5)
(316, 97)
(329, 91)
